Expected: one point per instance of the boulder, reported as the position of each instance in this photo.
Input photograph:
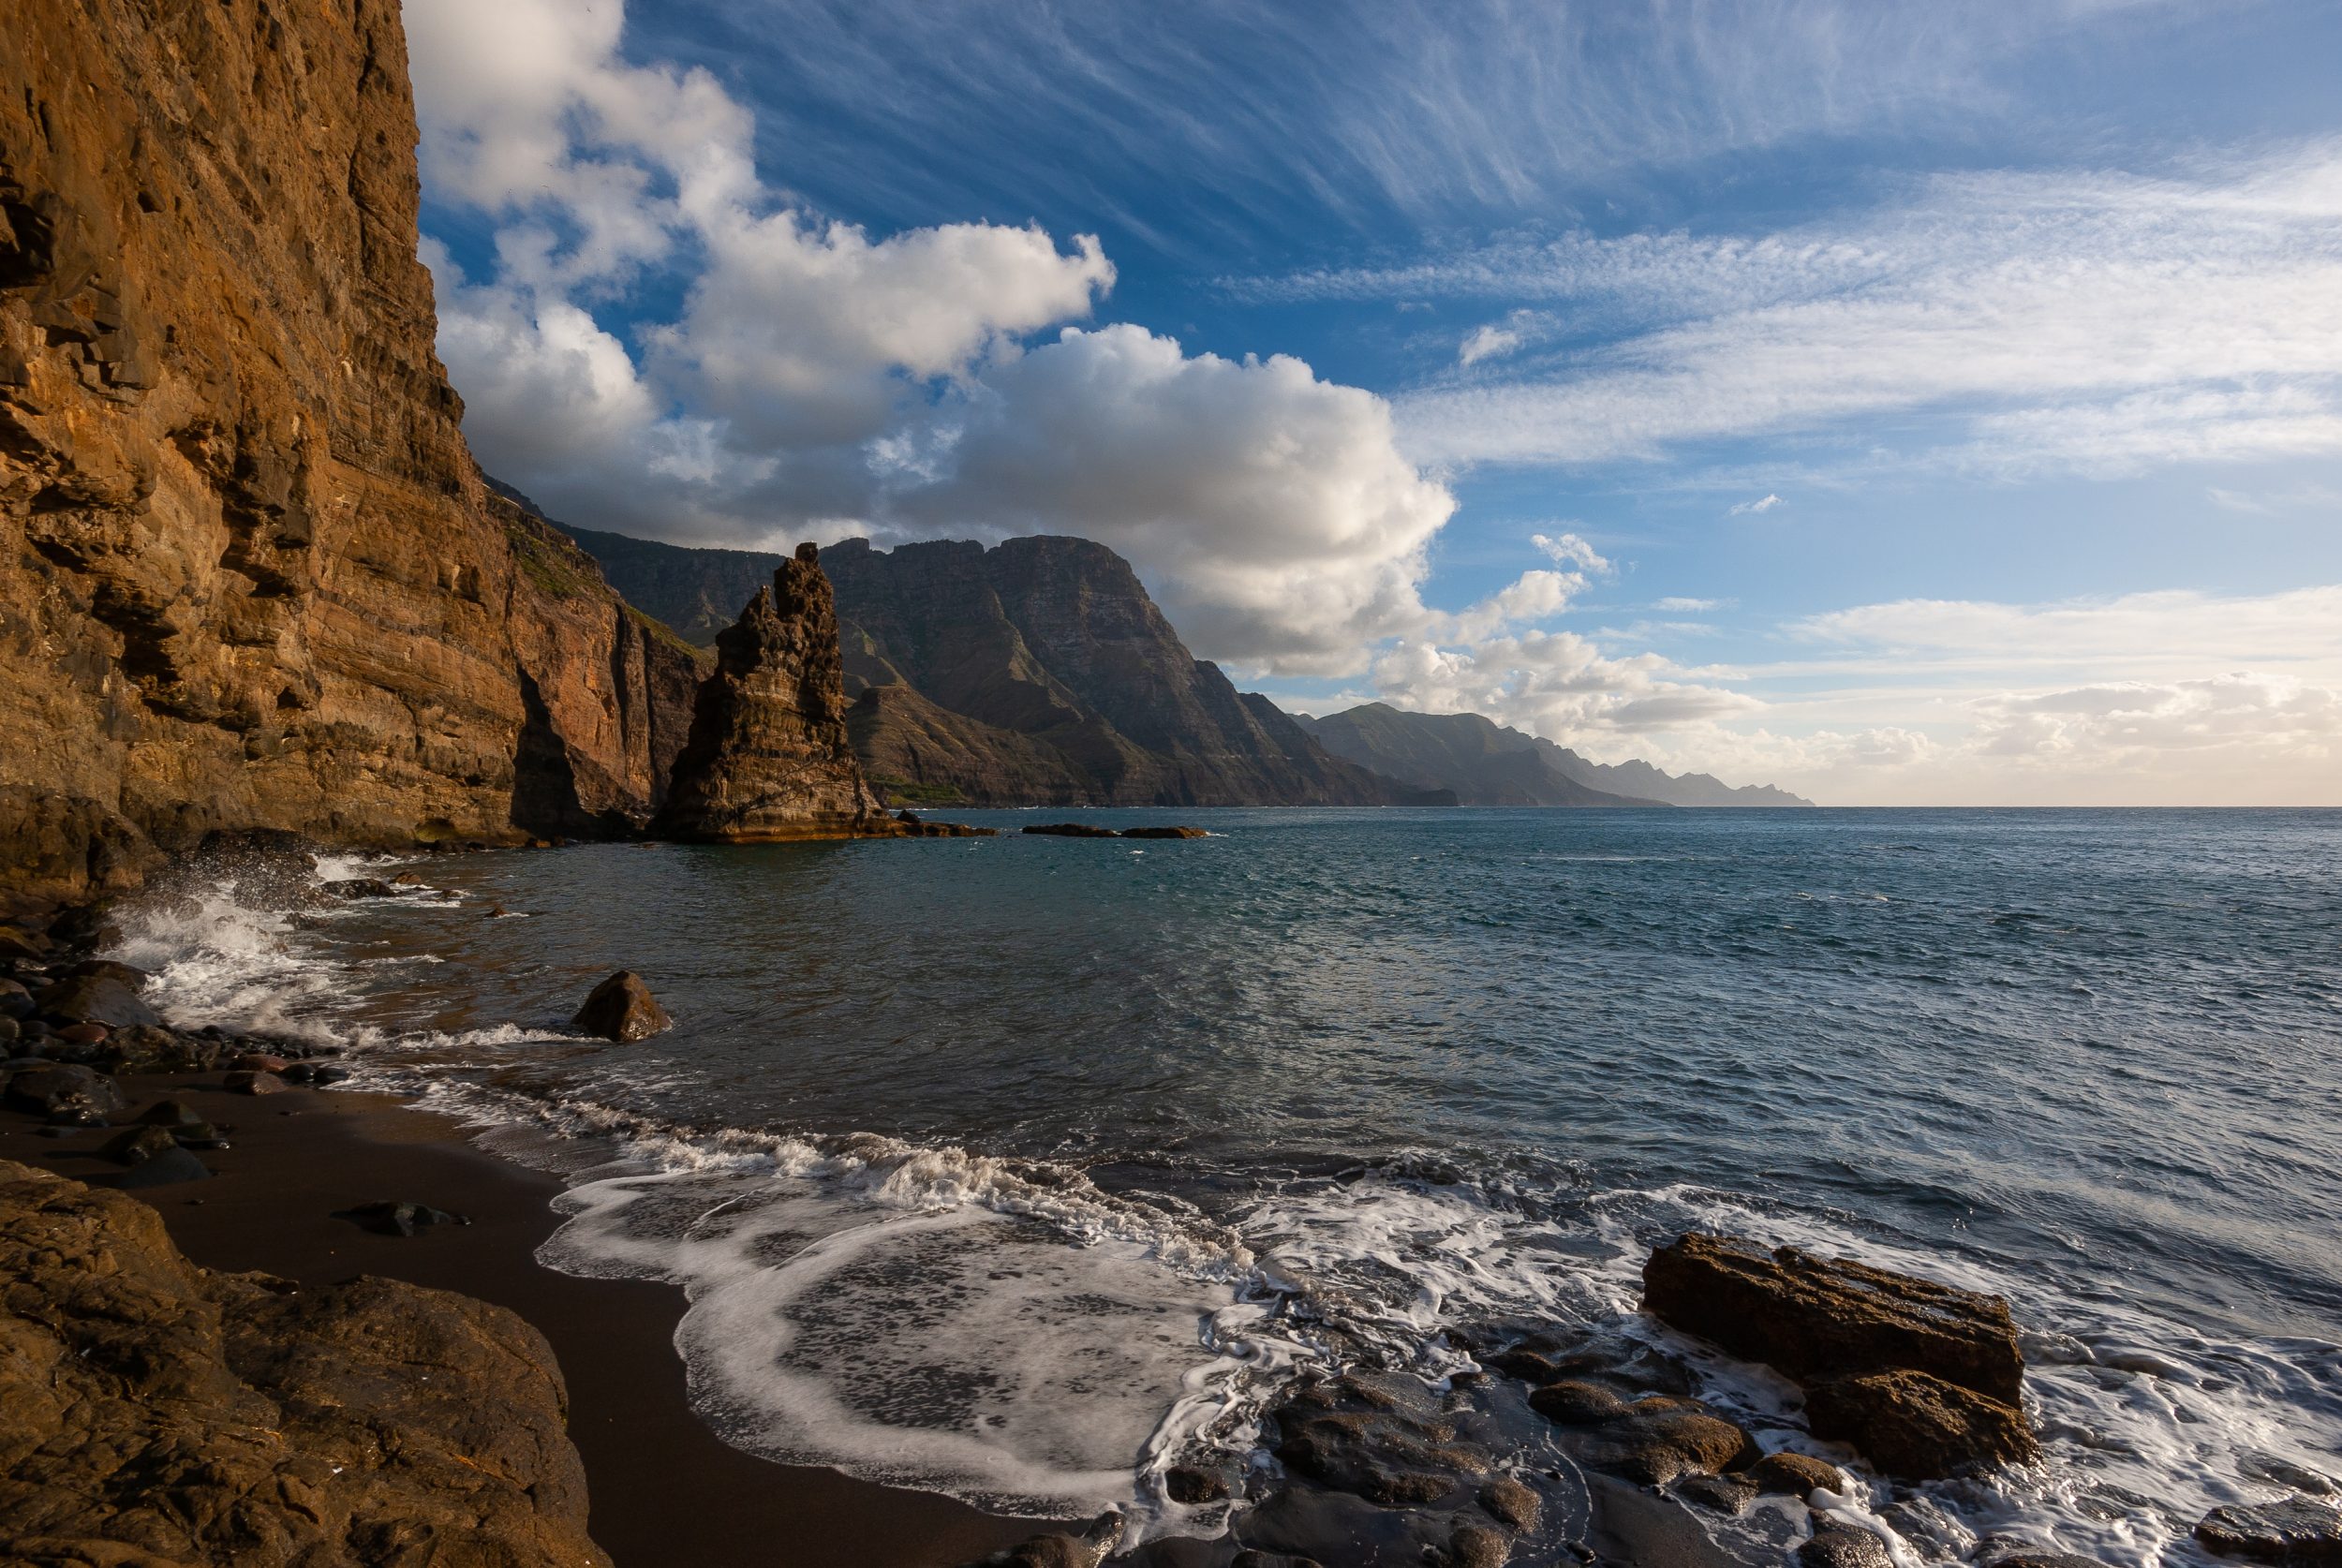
(1656, 1440)
(63, 1089)
(1381, 1438)
(1798, 1475)
(1816, 1318)
(362, 887)
(16, 1002)
(253, 1082)
(1837, 1546)
(139, 1145)
(259, 1061)
(101, 994)
(1574, 1402)
(161, 1413)
(84, 1034)
(2293, 1531)
(168, 1168)
(1073, 830)
(621, 1008)
(1918, 1427)
(1925, 1379)
(17, 942)
(1165, 832)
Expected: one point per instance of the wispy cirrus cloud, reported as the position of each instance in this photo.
(2099, 322)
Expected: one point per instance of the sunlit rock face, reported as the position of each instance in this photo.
(252, 578)
(769, 758)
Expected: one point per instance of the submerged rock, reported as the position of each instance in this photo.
(621, 1008)
(1072, 830)
(2291, 1531)
(229, 1419)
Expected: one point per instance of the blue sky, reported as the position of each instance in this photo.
(1904, 402)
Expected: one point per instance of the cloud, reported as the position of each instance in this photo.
(1271, 507)
(1555, 684)
(2272, 503)
(1741, 509)
(813, 378)
(1676, 603)
(1571, 550)
(2074, 320)
(1487, 343)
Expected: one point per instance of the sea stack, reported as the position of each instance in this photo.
(769, 759)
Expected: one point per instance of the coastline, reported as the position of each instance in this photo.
(663, 1488)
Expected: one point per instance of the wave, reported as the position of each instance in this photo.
(1012, 1332)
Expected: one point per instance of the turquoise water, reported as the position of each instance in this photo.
(1328, 1082)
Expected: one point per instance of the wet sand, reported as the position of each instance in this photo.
(665, 1490)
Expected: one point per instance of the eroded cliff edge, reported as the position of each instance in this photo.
(251, 577)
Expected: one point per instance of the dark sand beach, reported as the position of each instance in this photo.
(664, 1488)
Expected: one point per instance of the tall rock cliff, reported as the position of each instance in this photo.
(768, 758)
(251, 577)
(1036, 673)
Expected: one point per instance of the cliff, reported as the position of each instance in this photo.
(769, 758)
(1036, 673)
(253, 579)
(1485, 763)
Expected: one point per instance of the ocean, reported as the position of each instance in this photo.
(1014, 1167)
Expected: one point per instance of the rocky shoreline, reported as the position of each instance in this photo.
(135, 1361)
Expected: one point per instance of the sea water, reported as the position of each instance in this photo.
(1016, 1167)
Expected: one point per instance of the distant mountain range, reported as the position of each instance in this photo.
(1040, 673)
(1485, 763)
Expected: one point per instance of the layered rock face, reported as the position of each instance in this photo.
(1037, 672)
(157, 1414)
(252, 579)
(769, 758)
(1057, 641)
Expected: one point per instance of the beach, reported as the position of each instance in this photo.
(663, 1488)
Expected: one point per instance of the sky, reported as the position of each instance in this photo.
(1906, 403)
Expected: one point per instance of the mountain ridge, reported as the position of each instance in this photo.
(1488, 764)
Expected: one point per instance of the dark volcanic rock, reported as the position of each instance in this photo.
(139, 1145)
(1796, 1473)
(1073, 830)
(621, 1008)
(168, 1168)
(105, 994)
(362, 887)
(1820, 1318)
(152, 1413)
(64, 1090)
(2293, 1531)
(1843, 1547)
(1383, 1438)
(1912, 1425)
(253, 1083)
(1165, 832)
(1925, 1379)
